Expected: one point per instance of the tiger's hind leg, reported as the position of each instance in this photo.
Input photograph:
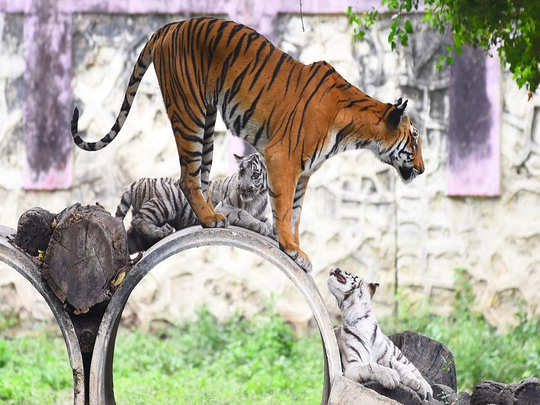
(207, 150)
(190, 150)
(282, 190)
(298, 200)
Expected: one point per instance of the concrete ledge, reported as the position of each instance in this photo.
(348, 392)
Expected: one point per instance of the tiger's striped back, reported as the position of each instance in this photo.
(296, 115)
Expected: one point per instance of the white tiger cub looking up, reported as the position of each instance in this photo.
(366, 353)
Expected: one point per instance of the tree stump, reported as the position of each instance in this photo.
(526, 392)
(86, 252)
(433, 359)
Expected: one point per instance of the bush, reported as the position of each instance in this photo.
(257, 361)
(241, 361)
(480, 351)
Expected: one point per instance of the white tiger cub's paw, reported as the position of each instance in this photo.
(166, 230)
(425, 391)
(387, 377)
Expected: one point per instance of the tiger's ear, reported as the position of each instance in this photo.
(372, 288)
(394, 117)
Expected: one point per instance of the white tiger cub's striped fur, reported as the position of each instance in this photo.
(159, 207)
(366, 353)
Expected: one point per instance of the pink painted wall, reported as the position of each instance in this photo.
(475, 113)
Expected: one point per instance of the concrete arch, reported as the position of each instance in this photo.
(101, 377)
(24, 265)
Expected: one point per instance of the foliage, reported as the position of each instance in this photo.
(203, 362)
(238, 362)
(480, 351)
(34, 369)
(510, 26)
(257, 361)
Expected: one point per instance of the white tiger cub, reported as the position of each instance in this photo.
(366, 353)
(159, 207)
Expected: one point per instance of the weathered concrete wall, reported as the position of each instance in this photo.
(356, 214)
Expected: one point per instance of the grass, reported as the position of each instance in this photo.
(239, 362)
(34, 369)
(257, 361)
(204, 362)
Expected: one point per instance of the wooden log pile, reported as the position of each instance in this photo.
(436, 363)
(82, 251)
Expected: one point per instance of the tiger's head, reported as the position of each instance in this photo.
(252, 176)
(345, 286)
(399, 142)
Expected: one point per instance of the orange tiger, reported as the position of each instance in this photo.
(296, 115)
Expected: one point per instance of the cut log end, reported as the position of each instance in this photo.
(86, 252)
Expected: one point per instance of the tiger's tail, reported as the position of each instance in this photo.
(125, 204)
(143, 62)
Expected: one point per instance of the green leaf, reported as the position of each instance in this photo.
(408, 26)
(404, 39)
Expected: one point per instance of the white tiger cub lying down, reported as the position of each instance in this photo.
(366, 353)
(159, 207)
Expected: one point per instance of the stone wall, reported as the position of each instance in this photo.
(357, 213)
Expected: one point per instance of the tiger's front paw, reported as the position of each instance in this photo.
(214, 221)
(300, 258)
(388, 378)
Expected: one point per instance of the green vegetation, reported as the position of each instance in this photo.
(510, 26)
(34, 369)
(239, 362)
(254, 361)
(480, 351)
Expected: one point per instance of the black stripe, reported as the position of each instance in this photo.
(276, 70)
(233, 32)
(249, 112)
(251, 37)
(263, 65)
(382, 355)
(258, 135)
(374, 335)
(258, 54)
(291, 70)
(354, 350)
(355, 102)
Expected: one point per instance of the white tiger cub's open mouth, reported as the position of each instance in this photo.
(338, 275)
